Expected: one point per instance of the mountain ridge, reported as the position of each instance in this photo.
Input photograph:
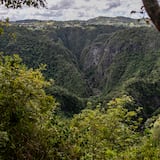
(101, 20)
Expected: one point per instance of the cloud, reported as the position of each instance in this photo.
(114, 5)
(74, 9)
(63, 4)
(51, 14)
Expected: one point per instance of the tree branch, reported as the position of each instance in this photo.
(153, 9)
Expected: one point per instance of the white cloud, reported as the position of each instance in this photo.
(74, 9)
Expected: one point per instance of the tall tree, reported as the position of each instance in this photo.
(153, 9)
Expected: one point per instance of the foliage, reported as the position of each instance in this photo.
(31, 129)
(106, 134)
(18, 4)
(146, 93)
(25, 110)
(69, 103)
(99, 134)
(71, 48)
(36, 48)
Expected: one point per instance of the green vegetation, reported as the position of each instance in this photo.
(31, 128)
(104, 100)
(68, 102)
(25, 111)
(36, 48)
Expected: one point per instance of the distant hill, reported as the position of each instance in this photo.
(28, 21)
(118, 21)
(111, 20)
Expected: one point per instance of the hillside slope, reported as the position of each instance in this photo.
(92, 58)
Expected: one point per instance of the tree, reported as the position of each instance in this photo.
(19, 3)
(100, 134)
(25, 111)
(153, 9)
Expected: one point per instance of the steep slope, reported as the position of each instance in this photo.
(58, 47)
(36, 48)
(92, 58)
(131, 53)
(127, 58)
(77, 38)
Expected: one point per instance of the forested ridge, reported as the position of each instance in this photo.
(82, 90)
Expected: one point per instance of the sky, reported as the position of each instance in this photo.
(63, 10)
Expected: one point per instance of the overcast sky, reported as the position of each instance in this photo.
(75, 9)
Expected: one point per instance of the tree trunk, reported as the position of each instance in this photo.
(153, 9)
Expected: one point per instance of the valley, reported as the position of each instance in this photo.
(102, 57)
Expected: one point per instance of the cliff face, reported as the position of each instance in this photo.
(128, 62)
(124, 55)
(77, 38)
